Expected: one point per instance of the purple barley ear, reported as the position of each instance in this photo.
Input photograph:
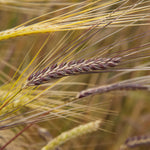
(112, 87)
(71, 68)
(136, 141)
(30, 77)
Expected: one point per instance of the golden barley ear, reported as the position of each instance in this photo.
(73, 133)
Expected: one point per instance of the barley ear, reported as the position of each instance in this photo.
(136, 141)
(73, 133)
(111, 87)
(74, 67)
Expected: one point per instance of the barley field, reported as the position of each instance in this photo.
(74, 74)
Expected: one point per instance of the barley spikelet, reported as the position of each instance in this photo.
(136, 141)
(71, 68)
(112, 87)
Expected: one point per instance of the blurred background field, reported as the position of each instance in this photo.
(124, 113)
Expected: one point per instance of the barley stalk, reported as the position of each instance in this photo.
(73, 133)
(136, 141)
(71, 68)
(112, 87)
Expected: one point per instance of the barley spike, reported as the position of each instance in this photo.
(71, 68)
(136, 141)
(112, 87)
